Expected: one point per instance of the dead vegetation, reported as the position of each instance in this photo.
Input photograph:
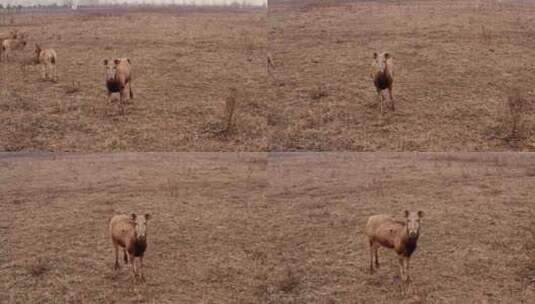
(185, 61)
(326, 199)
(38, 267)
(56, 246)
(230, 109)
(457, 61)
(226, 126)
(252, 228)
(270, 65)
(289, 281)
(528, 273)
(319, 92)
(25, 64)
(530, 250)
(486, 34)
(516, 109)
(74, 88)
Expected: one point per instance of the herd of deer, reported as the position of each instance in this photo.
(130, 232)
(118, 71)
(17, 41)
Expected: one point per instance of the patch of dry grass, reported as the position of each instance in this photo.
(74, 88)
(38, 267)
(517, 107)
(528, 273)
(230, 109)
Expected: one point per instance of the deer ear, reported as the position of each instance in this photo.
(128, 59)
(407, 213)
(387, 56)
(117, 61)
(133, 216)
(147, 216)
(375, 55)
(420, 214)
(105, 61)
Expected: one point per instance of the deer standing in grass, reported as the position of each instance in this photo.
(12, 44)
(402, 236)
(130, 233)
(118, 77)
(47, 58)
(11, 35)
(382, 75)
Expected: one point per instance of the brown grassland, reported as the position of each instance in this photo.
(272, 227)
(456, 65)
(185, 64)
(477, 234)
(259, 228)
(201, 238)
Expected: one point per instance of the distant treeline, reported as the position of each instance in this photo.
(69, 4)
(15, 8)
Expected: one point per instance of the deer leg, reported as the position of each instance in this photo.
(125, 256)
(141, 268)
(371, 256)
(391, 98)
(401, 269)
(376, 257)
(133, 262)
(130, 88)
(54, 72)
(43, 72)
(406, 283)
(407, 277)
(380, 101)
(121, 100)
(116, 247)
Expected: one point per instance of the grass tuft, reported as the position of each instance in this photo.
(38, 267)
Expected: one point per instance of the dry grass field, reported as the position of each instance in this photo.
(475, 245)
(272, 227)
(463, 78)
(185, 63)
(259, 228)
(457, 63)
(201, 238)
